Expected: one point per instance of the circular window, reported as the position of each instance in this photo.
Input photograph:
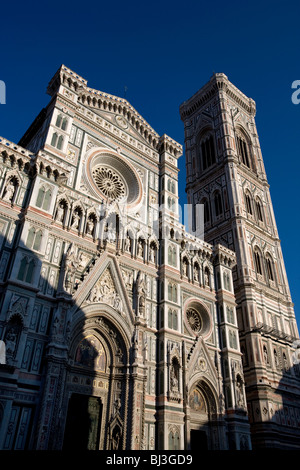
(194, 319)
(197, 318)
(109, 182)
(109, 175)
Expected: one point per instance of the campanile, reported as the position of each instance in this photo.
(225, 172)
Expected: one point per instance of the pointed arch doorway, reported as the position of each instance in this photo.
(203, 432)
(83, 424)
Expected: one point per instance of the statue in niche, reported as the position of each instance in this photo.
(116, 438)
(185, 268)
(90, 225)
(196, 273)
(140, 248)
(60, 213)
(111, 233)
(145, 347)
(174, 375)
(128, 279)
(152, 253)
(9, 191)
(76, 220)
(117, 406)
(13, 332)
(127, 244)
(239, 394)
(70, 264)
(11, 342)
(141, 293)
(222, 402)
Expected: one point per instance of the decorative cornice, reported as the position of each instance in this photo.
(218, 83)
(99, 100)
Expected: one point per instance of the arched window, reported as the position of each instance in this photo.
(60, 142)
(174, 295)
(232, 339)
(57, 141)
(248, 204)
(208, 154)
(172, 319)
(172, 292)
(61, 122)
(47, 200)
(259, 210)
(172, 256)
(206, 210)
(269, 269)
(38, 240)
(43, 199)
(226, 281)
(170, 253)
(174, 440)
(30, 237)
(230, 315)
(26, 270)
(257, 260)
(54, 139)
(40, 197)
(218, 203)
(34, 238)
(243, 151)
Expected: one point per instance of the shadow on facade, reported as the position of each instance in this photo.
(68, 381)
(65, 378)
(275, 423)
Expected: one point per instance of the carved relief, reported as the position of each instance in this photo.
(104, 291)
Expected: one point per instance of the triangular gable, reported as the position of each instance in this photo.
(105, 285)
(201, 364)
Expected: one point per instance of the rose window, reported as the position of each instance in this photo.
(194, 319)
(109, 182)
(110, 176)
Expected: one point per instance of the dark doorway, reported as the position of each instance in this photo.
(83, 424)
(198, 440)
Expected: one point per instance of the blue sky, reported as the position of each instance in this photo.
(163, 52)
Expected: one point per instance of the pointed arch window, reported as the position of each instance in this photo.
(218, 203)
(38, 240)
(248, 204)
(269, 269)
(172, 319)
(174, 440)
(205, 203)
(43, 199)
(26, 270)
(208, 154)
(54, 139)
(259, 210)
(243, 151)
(61, 122)
(57, 141)
(34, 238)
(60, 142)
(257, 260)
(172, 292)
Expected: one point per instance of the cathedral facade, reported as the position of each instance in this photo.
(123, 330)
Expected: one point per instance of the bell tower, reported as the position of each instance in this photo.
(225, 172)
